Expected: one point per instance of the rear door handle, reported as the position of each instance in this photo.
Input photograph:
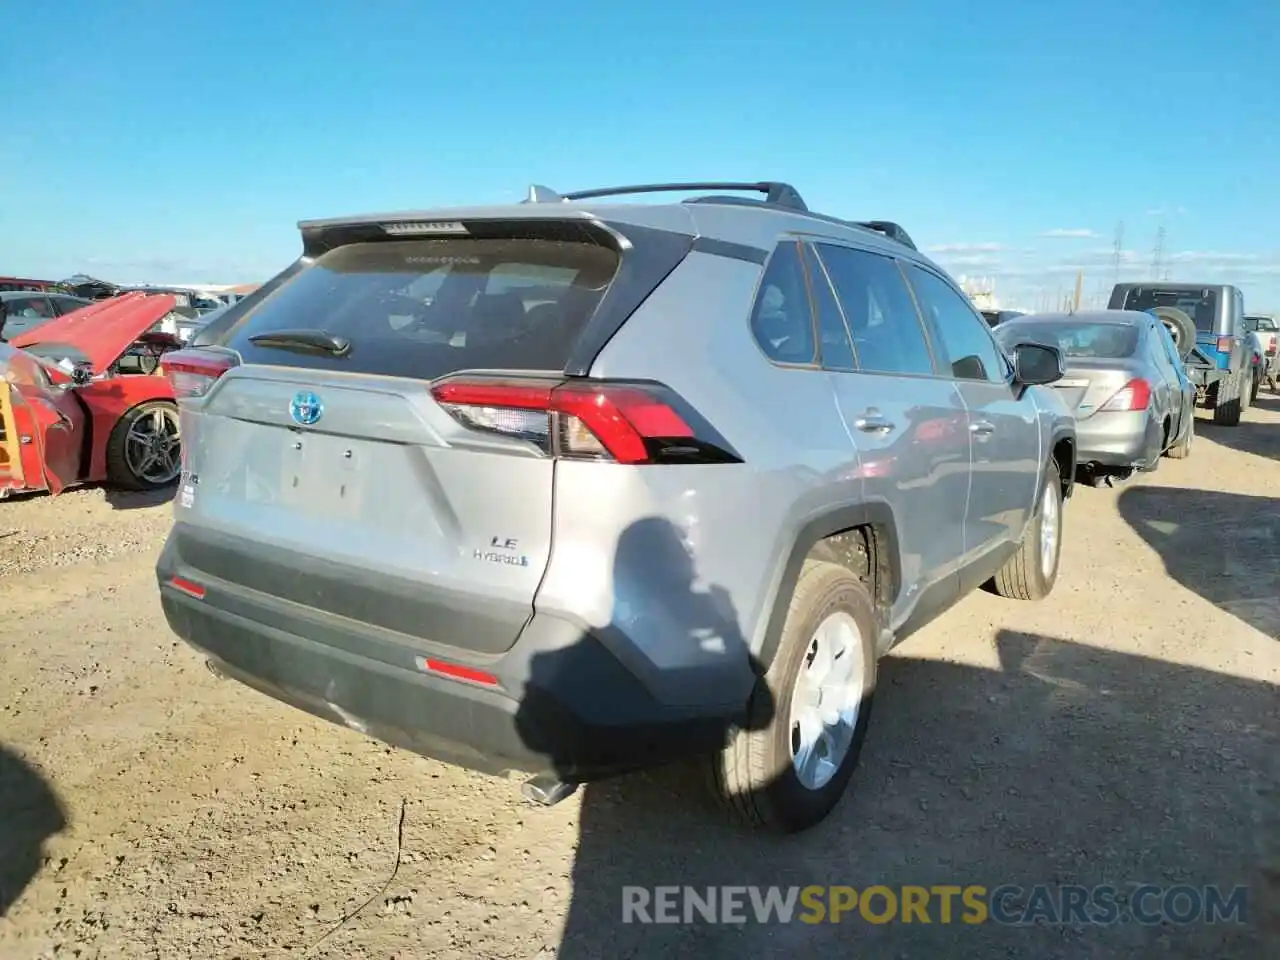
(873, 423)
(981, 428)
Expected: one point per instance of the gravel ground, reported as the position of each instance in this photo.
(1125, 730)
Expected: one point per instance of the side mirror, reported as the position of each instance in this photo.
(1037, 363)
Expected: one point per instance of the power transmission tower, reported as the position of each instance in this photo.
(1118, 249)
(1157, 257)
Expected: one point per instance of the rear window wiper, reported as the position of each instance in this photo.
(302, 339)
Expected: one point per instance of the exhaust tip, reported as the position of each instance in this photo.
(547, 791)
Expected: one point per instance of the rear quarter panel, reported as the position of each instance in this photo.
(632, 546)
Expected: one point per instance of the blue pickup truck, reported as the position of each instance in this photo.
(1219, 363)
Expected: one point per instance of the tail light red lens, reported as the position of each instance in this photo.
(1226, 344)
(1134, 395)
(633, 423)
(194, 372)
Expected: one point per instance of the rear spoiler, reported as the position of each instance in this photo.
(650, 254)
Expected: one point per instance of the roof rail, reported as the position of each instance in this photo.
(889, 229)
(780, 194)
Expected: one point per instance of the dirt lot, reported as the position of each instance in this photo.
(1126, 730)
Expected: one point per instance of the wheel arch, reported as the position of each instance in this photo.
(1062, 450)
(825, 537)
(160, 397)
(110, 400)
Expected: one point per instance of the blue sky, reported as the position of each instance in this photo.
(147, 140)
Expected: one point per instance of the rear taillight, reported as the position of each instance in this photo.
(1134, 395)
(586, 420)
(193, 372)
(1226, 344)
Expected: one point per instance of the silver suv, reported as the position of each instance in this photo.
(574, 488)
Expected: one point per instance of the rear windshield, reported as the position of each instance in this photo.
(1263, 324)
(1200, 305)
(1102, 340)
(426, 308)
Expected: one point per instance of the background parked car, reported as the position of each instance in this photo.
(1219, 364)
(25, 310)
(1268, 334)
(996, 317)
(185, 324)
(1257, 368)
(79, 401)
(1126, 383)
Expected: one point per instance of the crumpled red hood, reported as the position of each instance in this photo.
(103, 331)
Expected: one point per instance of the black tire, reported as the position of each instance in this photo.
(1226, 412)
(754, 775)
(1182, 449)
(119, 472)
(1023, 577)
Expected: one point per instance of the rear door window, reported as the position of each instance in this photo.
(1153, 339)
(882, 319)
(835, 345)
(426, 308)
(1167, 346)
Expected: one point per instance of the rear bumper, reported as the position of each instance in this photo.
(563, 704)
(1117, 440)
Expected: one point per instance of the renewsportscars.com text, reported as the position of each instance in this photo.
(941, 903)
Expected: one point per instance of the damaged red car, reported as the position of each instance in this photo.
(83, 400)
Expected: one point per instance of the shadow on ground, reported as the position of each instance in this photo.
(1070, 764)
(30, 813)
(138, 499)
(1225, 547)
(118, 499)
(1249, 436)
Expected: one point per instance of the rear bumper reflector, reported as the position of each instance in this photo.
(456, 671)
(190, 588)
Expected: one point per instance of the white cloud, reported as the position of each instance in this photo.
(1070, 233)
(965, 248)
(153, 268)
(1217, 257)
(1031, 279)
(970, 261)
